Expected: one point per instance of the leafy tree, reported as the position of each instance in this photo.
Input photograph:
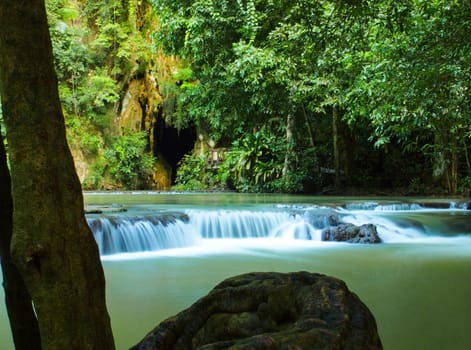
(414, 88)
(336, 77)
(258, 61)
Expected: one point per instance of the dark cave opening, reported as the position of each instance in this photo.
(173, 144)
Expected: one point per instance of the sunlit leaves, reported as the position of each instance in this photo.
(128, 160)
(418, 81)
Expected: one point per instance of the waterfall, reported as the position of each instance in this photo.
(298, 230)
(161, 229)
(383, 207)
(122, 234)
(406, 206)
(125, 234)
(236, 223)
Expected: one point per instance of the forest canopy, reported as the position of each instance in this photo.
(301, 96)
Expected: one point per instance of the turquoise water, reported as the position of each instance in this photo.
(417, 285)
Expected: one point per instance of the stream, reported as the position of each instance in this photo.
(163, 251)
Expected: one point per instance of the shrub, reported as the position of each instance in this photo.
(128, 160)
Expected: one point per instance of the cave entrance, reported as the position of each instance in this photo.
(173, 144)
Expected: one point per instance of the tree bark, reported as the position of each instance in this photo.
(454, 163)
(52, 245)
(23, 323)
(336, 146)
(290, 153)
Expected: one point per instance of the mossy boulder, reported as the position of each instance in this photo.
(270, 310)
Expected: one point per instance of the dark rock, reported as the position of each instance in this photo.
(352, 234)
(435, 205)
(100, 209)
(270, 310)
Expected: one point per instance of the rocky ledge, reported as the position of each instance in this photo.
(100, 209)
(270, 310)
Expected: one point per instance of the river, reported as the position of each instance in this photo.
(167, 250)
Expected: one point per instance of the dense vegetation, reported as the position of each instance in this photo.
(299, 96)
(375, 92)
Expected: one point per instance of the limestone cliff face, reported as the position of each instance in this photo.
(138, 74)
(139, 105)
(139, 111)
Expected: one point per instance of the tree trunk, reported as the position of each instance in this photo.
(52, 245)
(454, 163)
(309, 129)
(336, 146)
(290, 153)
(466, 156)
(23, 323)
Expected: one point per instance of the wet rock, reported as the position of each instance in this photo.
(350, 233)
(466, 205)
(270, 310)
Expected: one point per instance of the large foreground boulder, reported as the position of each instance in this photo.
(270, 310)
(350, 233)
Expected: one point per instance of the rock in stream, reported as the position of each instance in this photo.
(269, 310)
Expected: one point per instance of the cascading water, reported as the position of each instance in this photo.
(410, 222)
(124, 234)
(235, 223)
(415, 281)
(251, 224)
(159, 230)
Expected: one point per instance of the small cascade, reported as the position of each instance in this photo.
(297, 230)
(162, 230)
(259, 224)
(236, 223)
(388, 230)
(426, 205)
(399, 207)
(121, 234)
(384, 207)
(158, 230)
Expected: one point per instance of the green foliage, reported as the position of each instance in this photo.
(91, 143)
(414, 86)
(397, 72)
(398, 69)
(82, 132)
(175, 89)
(194, 174)
(86, 90)
(253, 164)
(465, 186)
(96, 45)
(254, 161)
(91, 100)
(128, 160)
(104, 90)
(96, 179)
(257, 61)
